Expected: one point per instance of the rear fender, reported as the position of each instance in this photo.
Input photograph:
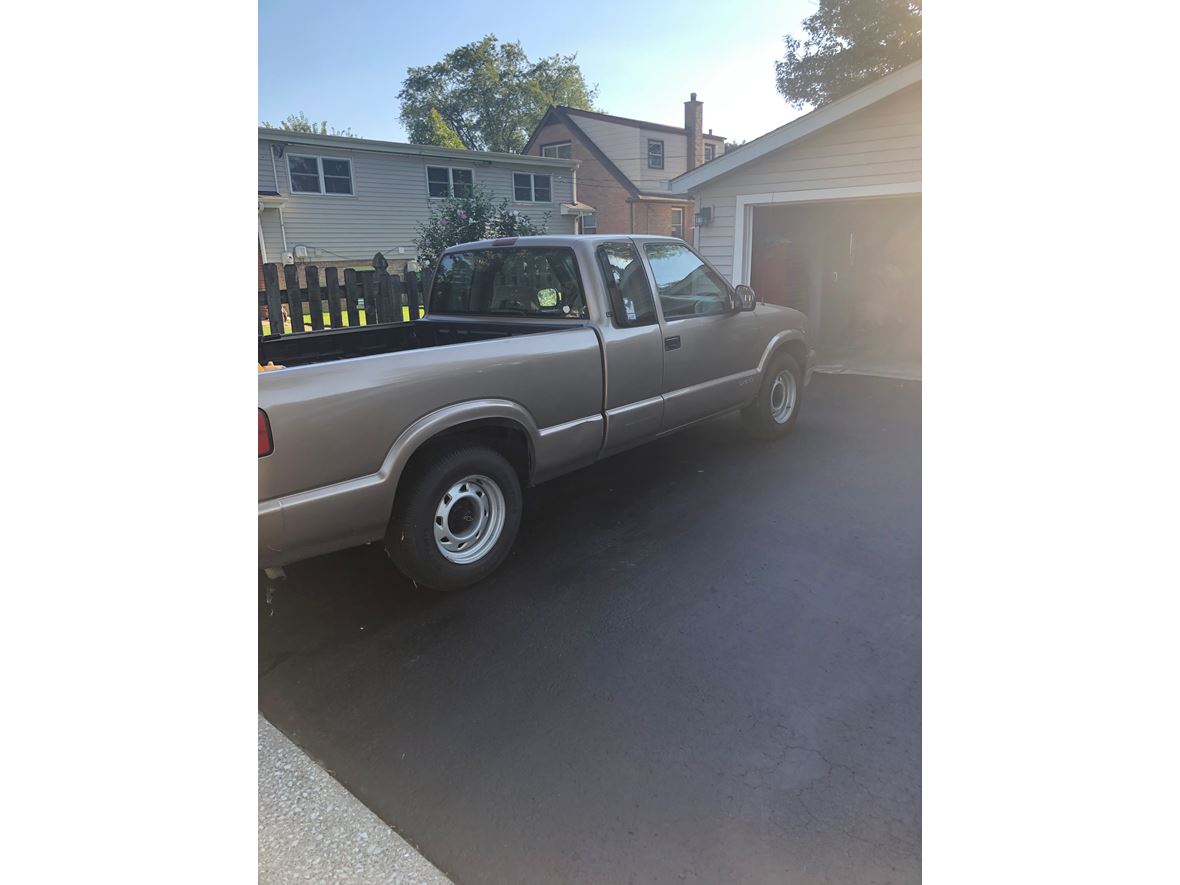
(357, 511)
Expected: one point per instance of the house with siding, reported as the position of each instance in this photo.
(626, 166)
(336, 201)
(825, 214)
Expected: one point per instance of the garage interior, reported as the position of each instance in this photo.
(855, 268)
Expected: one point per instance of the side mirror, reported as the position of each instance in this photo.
(746, 299)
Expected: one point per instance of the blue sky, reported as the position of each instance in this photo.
(345, 61)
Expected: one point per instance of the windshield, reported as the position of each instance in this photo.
(532, 281)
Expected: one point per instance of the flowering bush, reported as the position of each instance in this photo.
(455, 220)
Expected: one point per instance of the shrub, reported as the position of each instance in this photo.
(455, 220)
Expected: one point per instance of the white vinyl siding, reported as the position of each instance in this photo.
(675, 159)
(390, 202)
(272, 233)
(878, 146)
(266, 170)
(620, 143)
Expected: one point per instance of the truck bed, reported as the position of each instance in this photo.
(342, 344)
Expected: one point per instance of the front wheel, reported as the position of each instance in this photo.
(776, 409)
(456, 518)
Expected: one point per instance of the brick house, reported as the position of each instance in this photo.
(626, 166)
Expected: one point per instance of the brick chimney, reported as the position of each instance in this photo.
(694, 131)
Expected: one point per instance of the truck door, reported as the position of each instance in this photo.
(634, 349)
(710, 350)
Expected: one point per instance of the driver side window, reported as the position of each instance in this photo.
(686, 286)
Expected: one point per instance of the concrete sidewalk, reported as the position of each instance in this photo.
(311, 829)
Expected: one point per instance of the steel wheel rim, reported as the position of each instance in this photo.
(469, 519)
(783, 396)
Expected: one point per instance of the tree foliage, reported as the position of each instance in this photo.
(489, 94)
(848, 44)
(440, 133)
(455, 220)
(300, 123)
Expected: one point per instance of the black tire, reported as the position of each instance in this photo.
(759, 416)
(410, 540)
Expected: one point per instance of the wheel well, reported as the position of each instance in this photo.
(798, 351)
(505, 436)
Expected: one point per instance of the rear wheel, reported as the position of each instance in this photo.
(776, 409)
(456, 518)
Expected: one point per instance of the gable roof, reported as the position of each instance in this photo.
(564, 113)
(799, 128)
(638, 124)
(559, 114)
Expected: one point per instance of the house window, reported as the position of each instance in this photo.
(529, 188)
(709, 152)
(590, 223)
(319, 175)
(445, 181)
(561, 151)
(678, 223)
(655, 154)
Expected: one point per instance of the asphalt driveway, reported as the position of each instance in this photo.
(702, 663)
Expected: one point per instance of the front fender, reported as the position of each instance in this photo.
(780, 340)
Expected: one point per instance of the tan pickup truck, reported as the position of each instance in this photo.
(537, 356)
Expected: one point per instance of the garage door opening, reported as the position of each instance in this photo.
(855, 268)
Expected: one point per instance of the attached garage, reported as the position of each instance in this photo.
(824, 214)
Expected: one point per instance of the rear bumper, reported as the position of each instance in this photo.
(270, 533)
(322, 520)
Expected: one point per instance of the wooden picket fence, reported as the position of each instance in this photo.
(366, 297)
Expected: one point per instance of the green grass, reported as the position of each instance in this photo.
(327, 321)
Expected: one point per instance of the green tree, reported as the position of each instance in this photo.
(489, 94)
(455, 220)
(300, 123)
(848, 44)
(440, 133)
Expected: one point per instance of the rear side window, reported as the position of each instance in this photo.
(626, 284)
(536, 281)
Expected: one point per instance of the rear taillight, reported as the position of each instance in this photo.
(265, 443)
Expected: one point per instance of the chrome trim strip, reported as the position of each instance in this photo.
(619, 411)
(568, 425)
(705, 385)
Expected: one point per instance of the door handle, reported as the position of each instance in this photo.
(672, 343)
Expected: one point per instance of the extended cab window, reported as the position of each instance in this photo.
(535, 281)
(626, 283)
(686, 285)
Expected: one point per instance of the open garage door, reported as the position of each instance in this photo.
(855, 268)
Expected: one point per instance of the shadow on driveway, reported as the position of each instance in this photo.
(702, 662)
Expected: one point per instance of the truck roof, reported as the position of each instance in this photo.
(560, 240)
